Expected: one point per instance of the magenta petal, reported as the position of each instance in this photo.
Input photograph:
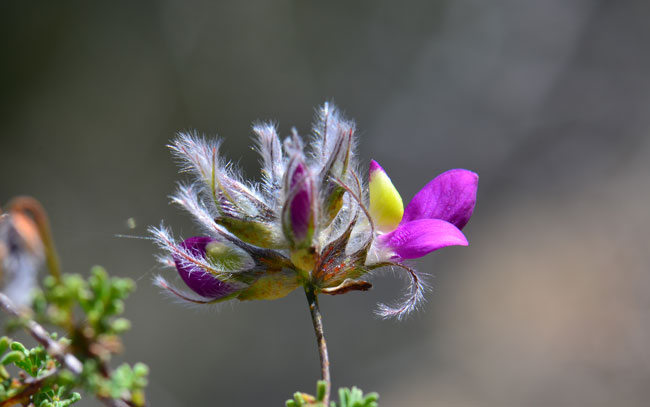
(300, 203)
(197, 279)
(419, 237)
(450, 196)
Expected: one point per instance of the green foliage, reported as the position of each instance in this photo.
(347, 398)
(88, 312)
(124, 379)
(43, 388)
(354, 398)
(100, 299)
(56, 398)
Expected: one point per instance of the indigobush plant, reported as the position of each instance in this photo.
(312, 223)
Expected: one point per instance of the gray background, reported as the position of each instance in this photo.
(549, 101)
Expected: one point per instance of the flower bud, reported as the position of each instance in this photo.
(300, 206)
(199, 280)
(298, 217)
(386, 206)
(336, 167)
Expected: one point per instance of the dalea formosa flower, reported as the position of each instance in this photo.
(312, 221)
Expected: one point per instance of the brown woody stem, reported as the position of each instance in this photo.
(317, 320)
(31, 387)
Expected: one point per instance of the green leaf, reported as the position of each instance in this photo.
(12, 357)
(4, 344)
(321, 389)
(120, 325)
(17, 346)
(347, 398)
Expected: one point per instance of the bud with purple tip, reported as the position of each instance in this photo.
(198, 279)
(298, 219)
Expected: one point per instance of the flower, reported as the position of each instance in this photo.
(198, 278)
(311, 221)
(432, 220)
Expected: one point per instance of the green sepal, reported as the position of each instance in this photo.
(228, 258)
(271, 285)
(333, 203)
(304, 259)
(256, 233)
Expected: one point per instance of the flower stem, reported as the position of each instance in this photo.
(317, 320)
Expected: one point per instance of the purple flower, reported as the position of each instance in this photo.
(450, 196)
(435, 216)
(196, 277)
(310, 222)
(300, 222)
(431, 221)
(218, 269)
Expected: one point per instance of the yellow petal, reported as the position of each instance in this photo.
(386, 206)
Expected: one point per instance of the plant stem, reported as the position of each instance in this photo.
(43, 337)
(317, 320)
(31, 387)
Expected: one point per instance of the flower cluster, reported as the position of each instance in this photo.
(311, 222)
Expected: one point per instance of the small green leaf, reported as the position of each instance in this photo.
(74, 397)
(12, 357)
(140, 370)
(4, 344)
(321, 389)
(4, 375)
(344, 395)
(120, 325)
(17, 346)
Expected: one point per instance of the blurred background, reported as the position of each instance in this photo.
(549, 101)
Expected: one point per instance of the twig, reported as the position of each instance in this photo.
(107, 401)
(312, 300)
(52, 347)
(31, 387)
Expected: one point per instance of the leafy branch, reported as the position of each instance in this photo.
(85, 311)
(347, 398)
